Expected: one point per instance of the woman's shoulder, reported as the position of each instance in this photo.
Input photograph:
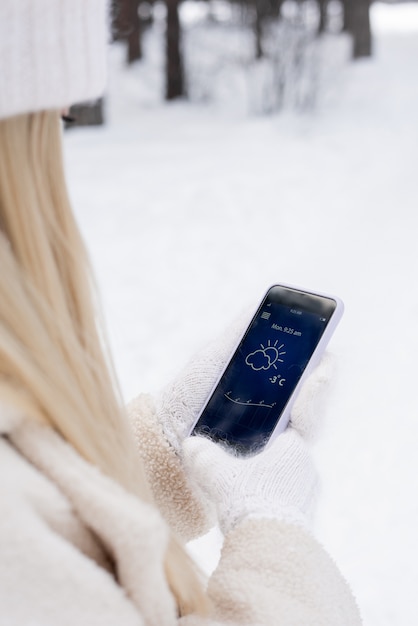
(39, 559)
(45, 545)
(20, 480)
(30, 495)
(10, 418)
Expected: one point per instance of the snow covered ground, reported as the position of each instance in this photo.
(192, 211)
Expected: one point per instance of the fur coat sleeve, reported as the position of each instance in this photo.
(188, 514)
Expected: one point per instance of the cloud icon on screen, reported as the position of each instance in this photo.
(265, 357)
(258, 360)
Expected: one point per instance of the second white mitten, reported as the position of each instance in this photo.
(279, 482)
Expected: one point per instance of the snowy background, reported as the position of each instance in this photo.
(191, 211)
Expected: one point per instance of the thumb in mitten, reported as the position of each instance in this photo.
(309, 406)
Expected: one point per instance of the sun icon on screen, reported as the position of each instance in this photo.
(266, 356)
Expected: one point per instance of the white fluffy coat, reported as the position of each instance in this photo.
(75, 548)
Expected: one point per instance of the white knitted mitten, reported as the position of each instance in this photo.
(279, 482)
(180, 402)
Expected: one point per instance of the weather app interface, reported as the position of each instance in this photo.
(264, 371)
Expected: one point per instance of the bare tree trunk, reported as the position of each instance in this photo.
(322, 26)
(357, 23)
(119, 20)
(134, 32)
(263, 10)
(258, 29)
(174, 60)
(127, 27)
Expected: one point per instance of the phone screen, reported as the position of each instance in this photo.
(256, 386)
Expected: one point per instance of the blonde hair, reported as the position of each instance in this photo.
(53, 361)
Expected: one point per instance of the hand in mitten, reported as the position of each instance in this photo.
(180, 402)
(279, 482)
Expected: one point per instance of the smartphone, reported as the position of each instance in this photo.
(251, 402)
